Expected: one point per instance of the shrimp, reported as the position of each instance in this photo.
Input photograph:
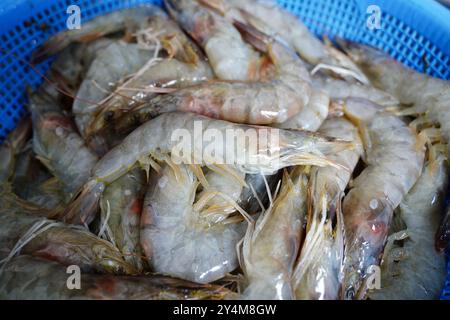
(318, 271)
(269, 18)
(395, 156)
(159, 137)
(58, 145)
(30, 278)
(268, 102)
(32, 181)
(72, 64)
(131, 19)
(340, 90)
(11, 147)
(111, 65)
(184, 67)
(415, 270)
(270, 247)
(312, 115)
(121, 207)
(428, 96)
(230, 57)
(181, 241)
(24, 230)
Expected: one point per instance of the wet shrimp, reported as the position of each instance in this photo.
(27, 277)
(121, 207)
(185, 66)
(72, 64)
(416, 270)
(111, 65)
(267, 102)
(268, 17)
(58, 145)
(312, 115)
(230, 57)
(394, 154)
(270, 247)
(181, 241)
(340, 89)
(426, 95)
(11, 147)
(318, 271)
(26, 230)
(154, 139)
(129, 20)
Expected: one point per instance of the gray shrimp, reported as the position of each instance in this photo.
(33, 278)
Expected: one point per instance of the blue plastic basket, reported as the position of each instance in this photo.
(415, 32)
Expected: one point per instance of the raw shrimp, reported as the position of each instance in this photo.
(426, 94)
(230, 57)
(25, 230)
(394, 155)
(268, 17)
(111, 65)
(312, 115)
(71, 65)
(58, 145)
(184, 67)
(415, 270)
(32, 181)
(121, 206)
(318, 273)
(159, 137)
(11, 147)
(340, 89)
(131, 20)
(271, 246)
(181, 241)
(266, 102)
(32, 278)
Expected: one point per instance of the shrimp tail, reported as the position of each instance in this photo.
(84, 205)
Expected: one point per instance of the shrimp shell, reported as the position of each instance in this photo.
(32, 278)
(395, 156)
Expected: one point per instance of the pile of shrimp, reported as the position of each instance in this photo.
(346, 205)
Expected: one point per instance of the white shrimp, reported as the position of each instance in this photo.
(416, 270)
(427, 96)
(394, 155)
(181, 241)
(271, 246)
(230, 57)
(264, 102)
(312, 115)
(111, 65)
(318, 273)
(270, 18)
(163, 136)
(340, 89)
